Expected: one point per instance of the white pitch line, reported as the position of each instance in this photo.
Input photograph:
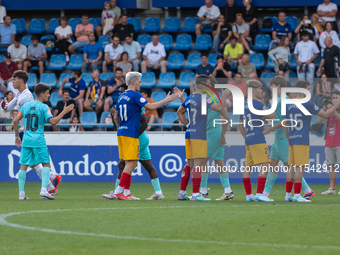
(5, 223)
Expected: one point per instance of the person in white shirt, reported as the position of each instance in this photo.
(63, 34)
(328, 11)
(207, 15)
(154, 55)
(328, 33)
(18, 52)
(3, 13)
(306, 51)
(112, 52)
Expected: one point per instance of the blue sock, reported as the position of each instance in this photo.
(271, 178)
(21, 179)
(225, 180)
(45, 176)
(204, 180)
(156, 185)
(117, 183)
(305, 186)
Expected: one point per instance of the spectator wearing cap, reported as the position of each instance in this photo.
(123, 29)
(93, 53)
(241, 32)
(7, 68)
(18, 52)
(134, 51)
(207, 15)
(107, 21)
(2, 13)
(154, 55)
(36, 55)
(63, 33)
(112, 53)
(280, 29)
(7, 32)
(328, 11)
(82, 34)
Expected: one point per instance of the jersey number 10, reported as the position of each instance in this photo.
(32, 122)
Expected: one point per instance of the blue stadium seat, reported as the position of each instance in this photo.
(57, 62)
(293, 63)
(262, 42)
(104, 40)
(158, 96)
(136, 22)
(212, 58)
(48, 37)
(293, 21)
(172, 25)
(292, 75)
(175, 61)
(152, 25)
(102, 117)
(32, 80)
(266, 76)
(49, 79)
(193, 61)
(73, 22)
(1, 58)
(166, 80)
(167, 41)
(270, 64)
(189, 25)
(26, 40)
(203, 42)
(257, 59)
(76, 60)
(20, 25)
(88, 118)
(34, 96)
(106, 76)
(87, 78)
(177, 102)
(37, 26)
(54, 23)
(169, 118)
(317, 61)
(183, 42)
(339, 36)
(54, 99)
(233, 119)
(148, 80)
(184, 79)
(62, 77)
(269, 30)
(144, 40)
(95, 22)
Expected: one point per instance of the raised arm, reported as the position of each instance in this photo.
(154, 106)
(54, 121)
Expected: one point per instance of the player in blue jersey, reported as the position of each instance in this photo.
(279, 150)
(34, 150)
(195, 136)
(298, 139)
(257, 152)
(127, 118)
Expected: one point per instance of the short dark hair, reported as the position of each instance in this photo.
(119, 69)
(17, 38)
(124, 53)
(77, 72)
(124, 86)
(302, 84)
(6, 17)
(41, 88)
(238, 74)
(115, 35)
(219, 57)
(278, 80)
(7, 92)
(128, 36)
(144, 91)
(124, 14)
(232, 38)
(85, 15)
(21, 75)
(35, 37)
(204, 54)
(66, 90)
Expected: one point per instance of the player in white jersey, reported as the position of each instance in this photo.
(23, 95)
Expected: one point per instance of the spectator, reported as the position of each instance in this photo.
(330, 60)
(305, 25)
(230, 10)
(154, 55)
(328, 33)
(264, 87)
(222, 32)
(238, 82)
(249, 13)
(2, 13)
(93, 53)
(112, 53)
(116, 10)
(318, 25)
(113, 89)
(281, 73)
(107, 21)
(7, 32)
(134, 51)
(222, 69)
(207, 15)
(63, 33)
(4, 114)
(328, 11)
(305, 53)
(151, 116)
(280, 29)
(7, 68)
(75, 128)
(36, 55)
(205, 67)
(77, 89)
(323, 87)
(60, 106)
(82, 34)
(281, 55)
(95, 93)
(125, 65)
(336, 86)
(241, 32)
(123, 29)
(233, 52)
(14, 115)
(18, 52)
(246, 67)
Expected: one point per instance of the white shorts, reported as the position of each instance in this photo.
(332, 155)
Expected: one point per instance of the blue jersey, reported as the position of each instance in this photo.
(76, 87)
(282, 30)
(129, 105)
(95, 88)
(112, 82)
(300, 133)
(197, 121)
(35, 115)
(254, 130)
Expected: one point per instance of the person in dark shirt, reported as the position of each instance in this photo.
(230, 11)
(249, 13)
(222, 32)
(330, 60)
(305, 25)
(123, 29)
(60, 106)
(222, 69)
(204, 68)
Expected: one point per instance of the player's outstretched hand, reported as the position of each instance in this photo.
(17, 141)
(178, 92)
(266, 130)
(69, 108)
(170, 97)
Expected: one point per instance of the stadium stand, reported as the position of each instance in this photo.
(169, 118)
(167, 41)
(62, 77)
(183, 42)
(203, 42)
(166, 80)
(88, 118)
(158, 96)
(136, 22)
(32, 80)
(37, 26)
(76, 60)
(53, 24)
(176, 61)
(73, 22)
(189, 24)
(49, 79)
(148, 80)
(102, 118)
(172, 25)
(185, 79)
(152, 25)
(57, 62)
(194, 60)
(144, 40)
(20, 25)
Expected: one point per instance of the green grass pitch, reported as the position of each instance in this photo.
(79, 221)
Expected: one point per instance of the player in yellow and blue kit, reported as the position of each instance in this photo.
(34, 150)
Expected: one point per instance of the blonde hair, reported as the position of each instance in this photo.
(253, 84)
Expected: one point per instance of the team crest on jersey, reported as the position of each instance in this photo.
(142, 100)
(316, 108)
(209, 101)
(49, 112)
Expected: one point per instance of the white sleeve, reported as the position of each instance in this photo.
(162, 50)
(106, 49)
(315, 48)
(69, 30)
(56, 31)
(334, 7)
(217, 12)
(12, 104)
(121, 49)
(319, 7)
(321, 40)
(201, 12)
(24, 53)
(296, 50)
(335, 38)
(146, 50)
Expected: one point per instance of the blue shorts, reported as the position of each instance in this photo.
(280, 151)
(114, 98)
(206, 26)
(78, 45)
(144, 151)
(34, 156)
(215, 149)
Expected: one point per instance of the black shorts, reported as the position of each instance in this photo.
(34, 62)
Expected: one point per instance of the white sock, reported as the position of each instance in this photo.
(227, 190)
(258, 194)
(52, 175)
(183, 192)
(38, 169)
(22, 193)
(50, 185)
(204, 191)
(195, 194)
(119, 190)
(266, 194)
(249, 195)
(159, 192)
(296, 195)
(43, 189)
(308, 190)
(127, 192)
(288, 193)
